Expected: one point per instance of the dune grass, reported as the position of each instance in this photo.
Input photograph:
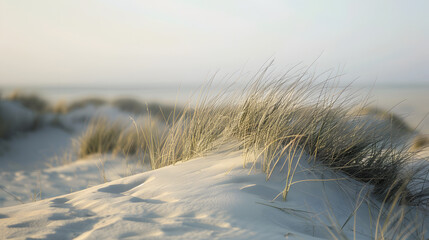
(15, 118)
(396, 121)
(101, 136)
(163, 112)
(86, 102)
(130, 105)
(38, 104)
(387, 220)
(3, 123)
(60, 107)
(420, 142)
(282, 118)
(3, 128)
(276, 121)
(118, 137)
(30, 101)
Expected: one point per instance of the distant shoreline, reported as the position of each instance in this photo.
(164, 86)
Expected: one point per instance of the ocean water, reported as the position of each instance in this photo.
(410, 103)
(149, 93)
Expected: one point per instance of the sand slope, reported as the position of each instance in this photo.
(207, 198)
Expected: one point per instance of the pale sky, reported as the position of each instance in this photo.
(75, 42)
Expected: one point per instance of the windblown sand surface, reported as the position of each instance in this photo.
(206, 198)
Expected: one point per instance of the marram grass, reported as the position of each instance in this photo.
(273, 118)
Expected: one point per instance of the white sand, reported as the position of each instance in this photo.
(24, 159)
(211, 197)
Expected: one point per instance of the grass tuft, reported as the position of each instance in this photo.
(81, 103)
(396, 122)
(420, 142)
(163, 112)
(277, 121)
(30, 101)
(60, 107)
(118, 137)
(129, 105)
(286, 117)
(101, 136)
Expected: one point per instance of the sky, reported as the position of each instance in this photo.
(115, 43)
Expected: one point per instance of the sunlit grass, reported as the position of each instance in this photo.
(274, 120)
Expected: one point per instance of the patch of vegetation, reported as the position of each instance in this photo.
(276, 119)
(59, 107)
(103, 136)
(280, 118)
(155, 110)
(396, 122)
(16, 118)
(30, 101)
(3, 127)
(81, 103)
(130, 105)
(420, 142)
